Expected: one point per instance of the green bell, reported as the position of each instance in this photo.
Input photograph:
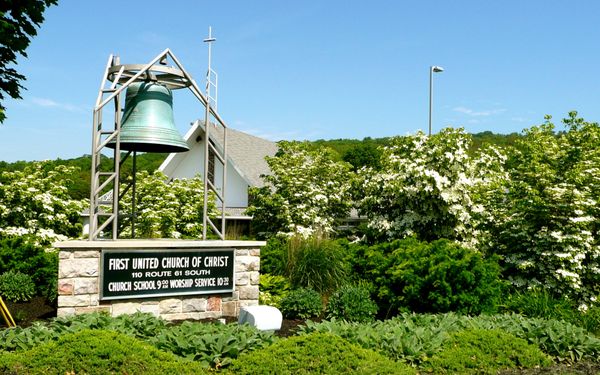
(148, 124)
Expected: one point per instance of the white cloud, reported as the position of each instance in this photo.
(519, 119)
(49, 103)
(473, 113)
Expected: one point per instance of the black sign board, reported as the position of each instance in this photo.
(158, 273)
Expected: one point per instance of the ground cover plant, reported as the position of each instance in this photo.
(414, 337)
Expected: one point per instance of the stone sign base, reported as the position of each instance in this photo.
(79, 280)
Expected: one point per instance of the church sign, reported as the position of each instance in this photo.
(159, 273)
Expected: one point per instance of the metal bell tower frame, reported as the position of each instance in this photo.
(116, 79)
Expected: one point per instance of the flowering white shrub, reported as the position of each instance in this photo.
(166, 209)
(35, 201)
(305, 193)
(544, 220)
(425, 185)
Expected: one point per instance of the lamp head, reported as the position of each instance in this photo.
(437, 69)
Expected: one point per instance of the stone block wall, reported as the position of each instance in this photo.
(79, 278)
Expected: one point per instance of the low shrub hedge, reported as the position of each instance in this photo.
(316, 354)
(301, 304)
(96, 352)
(352, 303)
(478, 351)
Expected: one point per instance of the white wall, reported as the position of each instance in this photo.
(191, 163)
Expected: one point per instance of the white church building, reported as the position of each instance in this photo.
(245, 164)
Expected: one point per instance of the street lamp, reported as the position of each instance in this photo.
(432, 69)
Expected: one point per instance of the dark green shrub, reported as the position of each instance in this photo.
(316, 263)
(21, 254)
(96, 352)
(316, 354)
(352, 303)
(301, 304)
(440, 276)
(16, 286)
(481, 351)
(272, 289)
(272, 256)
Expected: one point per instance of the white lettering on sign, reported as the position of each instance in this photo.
(176, 262)
(118, 264)
(181, 283)
(216, 261)
(196, 272)
(145, 263)
(205, 282)
(119, 286)
(144, 285)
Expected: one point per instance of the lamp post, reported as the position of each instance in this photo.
(432, 69)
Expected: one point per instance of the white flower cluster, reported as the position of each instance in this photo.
(34, 202)
(425, 187)
(305, 193)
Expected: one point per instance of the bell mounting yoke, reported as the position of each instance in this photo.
(172, 78)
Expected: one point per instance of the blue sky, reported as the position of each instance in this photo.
(316, 69)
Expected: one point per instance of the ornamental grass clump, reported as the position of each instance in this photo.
(316, 263)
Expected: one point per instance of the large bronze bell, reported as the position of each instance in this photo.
(148, 124)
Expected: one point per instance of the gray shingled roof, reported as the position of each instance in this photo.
(246, 151)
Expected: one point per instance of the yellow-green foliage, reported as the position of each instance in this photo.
(480, 351)
(96, 352)
(317, 353)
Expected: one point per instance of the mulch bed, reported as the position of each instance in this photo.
(25, 313)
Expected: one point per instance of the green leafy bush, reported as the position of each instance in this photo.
(16, 286)
(352, 303)
(316, 354)
(272, 289)
(23, 255)
(478, 351)
(316, 263)
(440, 276)
(301, 303)
(213, 345)
(96, 352)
